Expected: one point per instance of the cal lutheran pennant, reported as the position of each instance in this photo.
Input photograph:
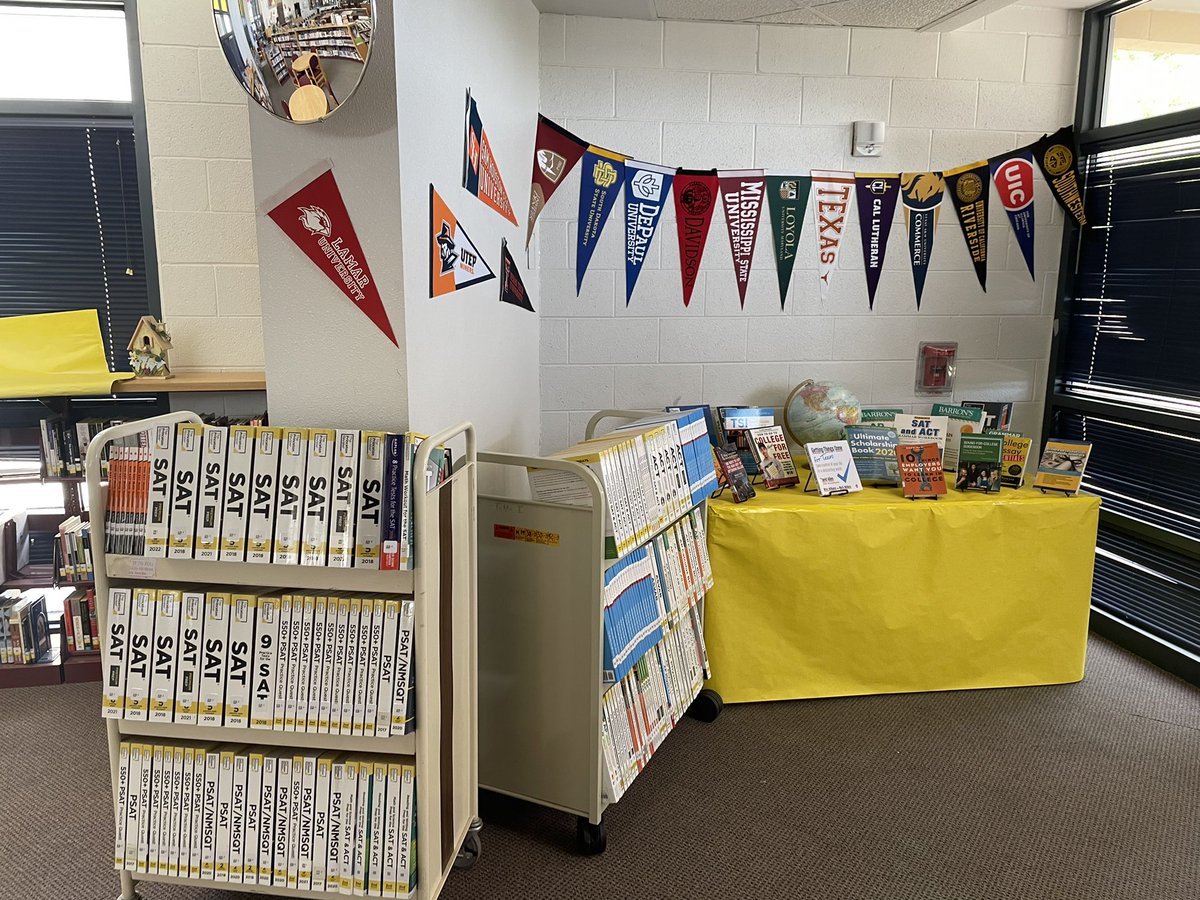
(877, 196)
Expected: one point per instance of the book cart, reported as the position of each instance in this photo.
(541, 678)
(443, 585)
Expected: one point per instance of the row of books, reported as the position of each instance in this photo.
(328, 664)
(73, 552)
(80, 628)
(336, 823)
(65, 445)
(651, 587)
(261, 494)
(24, 627)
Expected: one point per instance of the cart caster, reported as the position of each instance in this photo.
(592, 839)
(706, 707)
(471, 849)
(134, 896)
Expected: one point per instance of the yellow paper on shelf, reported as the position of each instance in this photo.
(54, 354)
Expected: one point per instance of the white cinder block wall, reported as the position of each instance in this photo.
(782, 98)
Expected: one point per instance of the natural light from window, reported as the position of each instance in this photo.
(1154, 68)
(63, 54)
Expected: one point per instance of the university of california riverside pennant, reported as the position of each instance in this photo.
(968, 190)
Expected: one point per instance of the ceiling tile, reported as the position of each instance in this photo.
(721, 10)
(889, 13)
(795, 17)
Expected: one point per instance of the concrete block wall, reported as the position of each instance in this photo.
(783, 98)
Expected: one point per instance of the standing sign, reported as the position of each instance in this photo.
(599, 184)
(877, 196)
(555, 153)
(923, 192)
(968, 189)
(833, 468)
(695, 200)
(832, 191)
(646, 188)
(742, 196)
(787, 197)
(481, 173)
(1013, 174)
(454, 262)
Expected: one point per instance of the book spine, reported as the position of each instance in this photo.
(403, 721)
(371, 648)
(408, 485)
(362, 829)
(393, 474)
(196, 827)
(338, 684)
(122, 804)
(253, 827)
(165, 656)
(212, 493)
(294, 821)
(267, 820)
(158, 497)
(391, 830)
(92, 625)
(260, 525)
(289, 499)
(369, 518)
(139, 777)
(283, 814)
(295, 662)
(157, 794)
(304, 662)
(344, 510)
(374, 879)
(173, 817)
(387, 669)
(406, 863)
(266, 664)
(237, 818)
(72, 624)
(353, 677)
(187, 800)
(337, 826)
(320, 828)
(181, 538)
(191, 630)
(235, 506)
(350, 830)
(224, 815)
(317, 685)
(243, 613)
(308, 810)
(214, 657)
(281, 661)
(141, 637)
(318, 498)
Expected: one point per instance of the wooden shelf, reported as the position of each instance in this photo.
(31, 674)
(184, 382)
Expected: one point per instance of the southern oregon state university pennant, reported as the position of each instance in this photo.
(1057, 155)
(1013, 174)
(454, 263)
(923, 192)
(555, 153)
(787, 197)
(646, 188)
(877, 196)
(832, 191)
(600, 182)
(968, 190)
(481, 173)
(695, 200)
(512, 288)
(742, 197)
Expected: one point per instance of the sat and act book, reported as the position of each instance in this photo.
(921, 470)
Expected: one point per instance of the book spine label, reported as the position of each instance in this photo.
(243, 613)
(260, 526)
(293, 456)
(122, 804)
(350, 830)
(308, 809)
(266, 664)
(162, 460)
(154, 837)
(370, 501)
(353, 662)
(391, 829)
(187, 801)
(237, 818)
(331, 661)
(374, 879)
(142, 829)
(337, 826)
(253, 829)
(406, 863)
(224, 816)
(403, 722)
(281, 660)
(294, 821)
(174, 828)
(196, 837)
(267, 821)
(345, 496)
(317, 687)
(374, 664)
(295, 661)
(165, 656)
(184, 489)
(116, 646)
(132, 810)
(191, 630)
(387, 669)
(283, 813)
(235, 507)
(320, 828)
(212, 493)
(304, 662)
(213, 658)
(362, 829)
(141, 638)
(318, 498)
(342, 641)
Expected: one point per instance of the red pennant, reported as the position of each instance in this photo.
(742, 193)
(555, 152)
(695, 200)
(316, 220)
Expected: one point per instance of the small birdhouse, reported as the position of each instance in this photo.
(148, 349)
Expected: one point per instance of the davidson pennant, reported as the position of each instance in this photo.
(968, 190)
(1056, 154)
(742, 197)
(832, 191)
(481, 174)
(454, 263)
(923, 192)
(600, 182)
(1013, 175)
(877, 196)
(695, 200)
(787, 197)
(646, 188)
(555, 153)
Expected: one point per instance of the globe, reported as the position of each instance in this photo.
(818, 411)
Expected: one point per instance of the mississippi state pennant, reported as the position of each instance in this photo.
(1056, 155)
(922, 192)
(316, 220)
(454, 263)
(1013, 175)
(742, 197)
(831, 192)
(877, 196)
(600, 182)
(646, 188)
(555, 152)
(481, 174)
(512, 288)
(787, 196)
(695, 200)
(968, 190)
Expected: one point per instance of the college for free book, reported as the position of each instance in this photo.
(1061, 466)
(773, 456)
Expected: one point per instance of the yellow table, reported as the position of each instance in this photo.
(874, 594)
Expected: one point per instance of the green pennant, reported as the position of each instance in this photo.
(787, 197)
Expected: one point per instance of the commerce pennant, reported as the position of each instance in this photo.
(695, 200)
(922, 193)
(787, 197)
(742, 197)
(512, 288)
(454, 262)
(316, 220)
(877, 196)
(647, 186)
(968, 189)
(481, 173)
(600, 182)
(832, 191)
(1057, 154)
(555, 153)
(1013, 175)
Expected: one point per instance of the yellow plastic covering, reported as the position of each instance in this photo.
(874, 594)
(54, 354)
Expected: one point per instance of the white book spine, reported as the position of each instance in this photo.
(237, 818)
(345, 500)
(281, 661)
(267, 819)
(352, 663)
(242, 615)
(374, 660)
(266, 664)
(320, 828)
(330, 662)
(349, 827)
(253, 829)
(293, 821)
(181, 538)
(187, 800)
(391, 829)
(387, 668)
(318, 498)
(191, 635)
(196, 838)
(340, 665)
(379, 777)
(235, 510)
(116, 645)
(317, 687)
(295, 661)
(406, 864)
(165, 656)
(141, 639)
(370, 501)
(362, 829)
(403, 721)
(283, 813)
(138, 776)
(122, 805)
(211, 708)
(362, 669)
(158, 496)
(224, 815)
(289, 506)
(154, 838)
(260, 524)
(304, 670)
(212, 493)
(308, 810)
(337, 825)
(174, 827)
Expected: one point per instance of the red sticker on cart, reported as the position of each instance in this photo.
(526, 535)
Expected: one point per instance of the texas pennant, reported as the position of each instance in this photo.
(923, 192)
(512, 288)
(1056, 154)
(599, 184)
(316, 220)
(454, 263)
(787, 196)
(647, 186)
(1013, 175)
(968, 189)
(695, 200)
(481, 174)
(877, 196)
(832, 191)
(555, 152)
(742, 197)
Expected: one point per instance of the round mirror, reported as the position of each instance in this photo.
(298, 59)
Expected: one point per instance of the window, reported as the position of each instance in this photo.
(55, 52)
(1154, 61)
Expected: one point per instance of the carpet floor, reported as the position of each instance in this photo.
(1074, 792)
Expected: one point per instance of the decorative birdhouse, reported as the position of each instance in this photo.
(148, 349)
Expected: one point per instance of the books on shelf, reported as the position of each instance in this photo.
(979, 458)
(1061, 466)
(873, 448)
(64, 445)
(960, 420)
(773, 457)
(24, 627)
(921, 474)
(73, 552)
(80, 628)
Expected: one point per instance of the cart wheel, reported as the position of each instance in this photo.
(470, 852)
(134, 896)
(706, 707)
(592, 839)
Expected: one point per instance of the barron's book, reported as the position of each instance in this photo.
(960, 420)
(922, 430)
(880, 416)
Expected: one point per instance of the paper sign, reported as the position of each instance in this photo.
(833, 468)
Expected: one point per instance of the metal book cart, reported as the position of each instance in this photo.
(443, 585)
(542, 569)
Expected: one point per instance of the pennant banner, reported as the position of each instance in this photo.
(923, 192)
(555, 153)
(695, 200)
(968, 190)
(1013, 175)
(316, 220)
(787, 198)
(481, 174)
(832, 191)
(599, 184)
(1056, 155)
(877, 196)
(454, 262)
(742, 197)
(512, 288)
(646, 188)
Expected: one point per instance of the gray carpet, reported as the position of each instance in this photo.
(1079, 792)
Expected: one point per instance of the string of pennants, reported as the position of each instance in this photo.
(647, 188)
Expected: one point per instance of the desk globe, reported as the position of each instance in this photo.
(818, 411)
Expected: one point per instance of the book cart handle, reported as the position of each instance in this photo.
(127, 429)
(627, 414)
(427, 446)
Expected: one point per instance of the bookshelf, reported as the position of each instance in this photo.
(442, 584)
(328, 41)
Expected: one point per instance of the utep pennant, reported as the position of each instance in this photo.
(1056, 155)
(968, 189)
(481, 174)
(923, 192)
(877, 196)
(831, 191)
(787, 196)
(1013, 175)
(742, 197)
(555, 153)
(316, 220)
(695, 200)
(601, 178)
(512, 288)
(646, 188)
(454, 263)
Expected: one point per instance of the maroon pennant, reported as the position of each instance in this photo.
(742, 194)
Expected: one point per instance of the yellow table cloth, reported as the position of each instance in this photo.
(873, 594)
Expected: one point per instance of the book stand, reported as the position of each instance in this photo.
(817, 490)
(1063, 491)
